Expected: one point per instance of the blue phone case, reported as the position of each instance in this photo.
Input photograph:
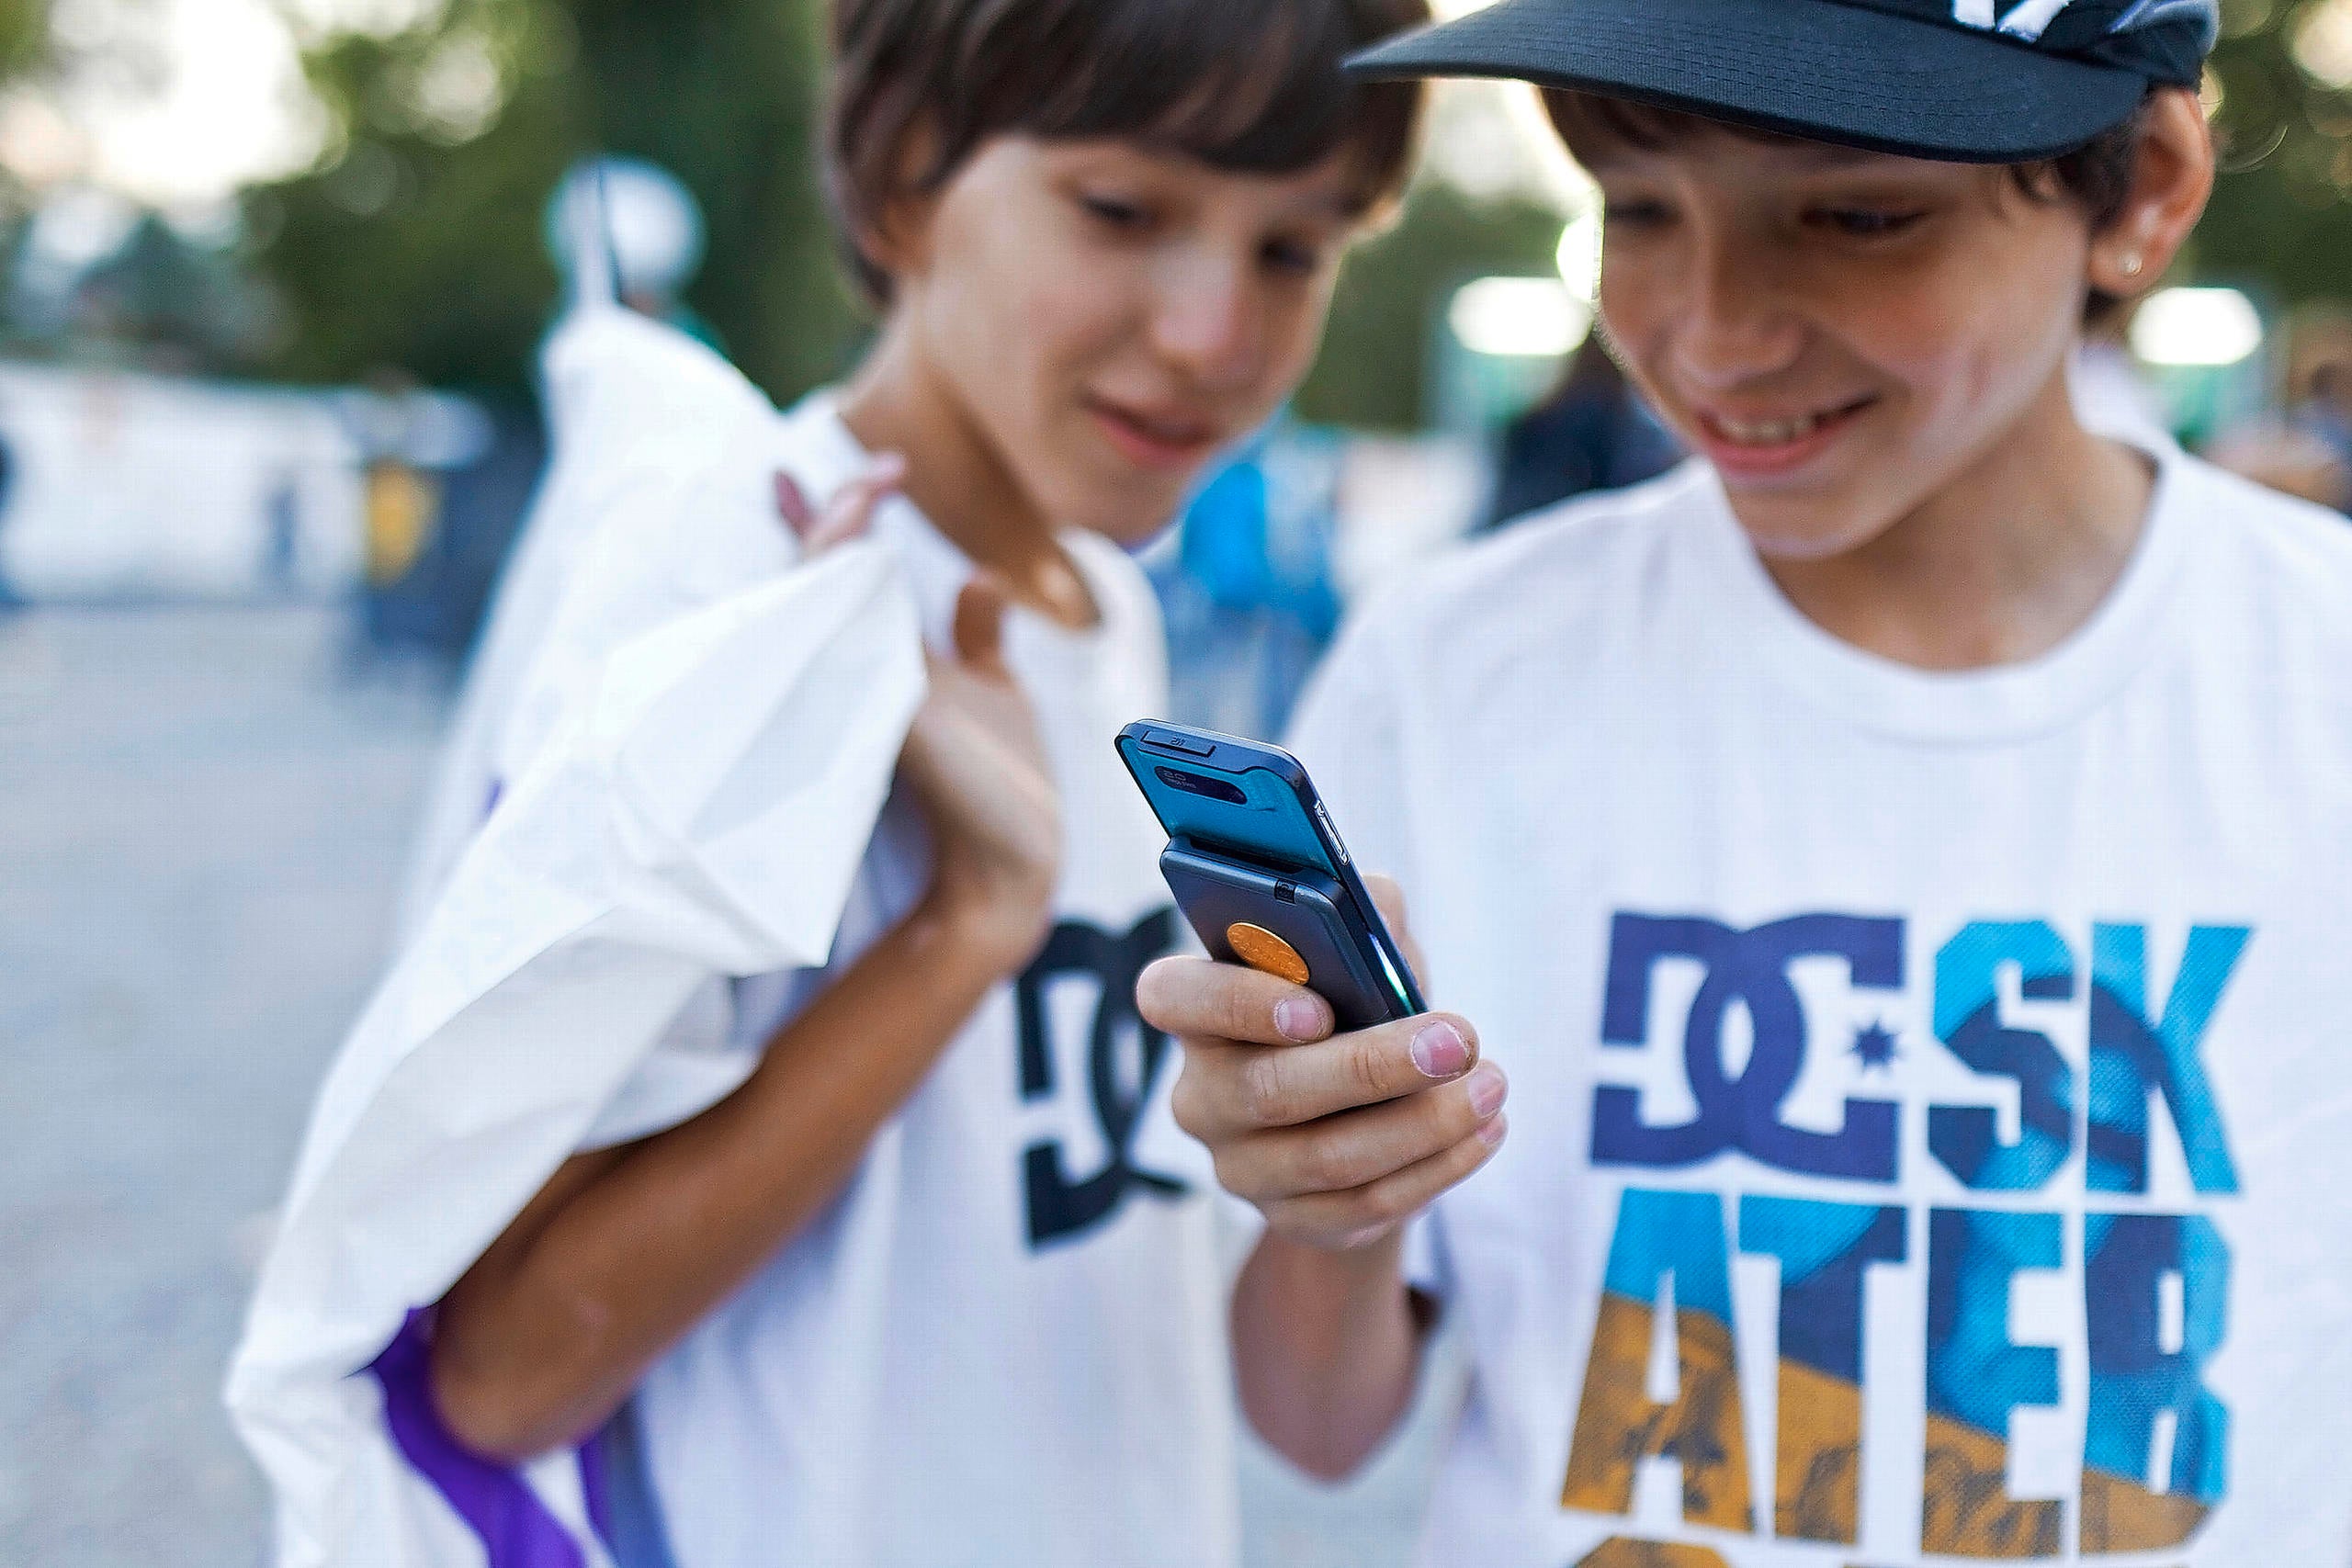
(1218, 894)
(1252, 842)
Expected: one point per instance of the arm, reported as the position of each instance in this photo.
(1327, 1347)
(1338, 1141)
(624, 1250)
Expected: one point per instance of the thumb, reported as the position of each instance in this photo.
(980, 621)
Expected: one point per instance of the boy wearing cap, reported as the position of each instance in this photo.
(1900, 856)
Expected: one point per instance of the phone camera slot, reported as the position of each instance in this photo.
(1196, 784)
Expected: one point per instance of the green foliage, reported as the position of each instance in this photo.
(24, 36)
(2281, 216)
(726, 95)
(417, 248)
(1375, 369)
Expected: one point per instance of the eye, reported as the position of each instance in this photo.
(1116, 212)
(1864, 222)
(1297, 258)
(1635, 213)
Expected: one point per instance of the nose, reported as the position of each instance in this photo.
(1208, 323)
(1733, 325)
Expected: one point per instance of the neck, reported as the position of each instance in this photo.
(1998, 567)
(899, 402)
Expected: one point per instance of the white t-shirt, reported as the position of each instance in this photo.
(1004, 1342)
(1961, 1056)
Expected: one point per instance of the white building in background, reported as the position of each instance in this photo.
(133, 486)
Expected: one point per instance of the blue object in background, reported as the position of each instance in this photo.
(1246, 590)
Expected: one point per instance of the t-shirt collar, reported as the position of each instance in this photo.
(2013, 701)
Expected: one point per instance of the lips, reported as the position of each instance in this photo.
(1158, 439)
(1759, 444)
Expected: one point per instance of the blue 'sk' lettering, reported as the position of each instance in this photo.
(1968, 1021)
(1743, 1112)
(2132, 1056)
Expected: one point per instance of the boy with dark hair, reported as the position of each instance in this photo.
(897, 1262)
(1900, 855)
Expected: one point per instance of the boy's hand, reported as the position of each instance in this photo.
(973, 756)
(1336, 1140)
(978, 768)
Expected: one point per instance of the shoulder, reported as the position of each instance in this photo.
(2281, 528)
(1124, 593)
(2284, 559)
(1546, 616)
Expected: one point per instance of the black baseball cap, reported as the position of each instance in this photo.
(1962, 80)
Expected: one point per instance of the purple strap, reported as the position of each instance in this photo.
(515, 1527)
(596, 1484)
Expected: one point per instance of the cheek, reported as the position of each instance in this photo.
(1974, 348)
(1628, 308)
(1021, 321)
(1296, 336)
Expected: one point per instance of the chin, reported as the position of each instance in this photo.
(1128, 516)
(1796, 533)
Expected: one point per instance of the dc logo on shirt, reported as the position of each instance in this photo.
(2079, 1154)
(1743, 1111)
(1123, 1056)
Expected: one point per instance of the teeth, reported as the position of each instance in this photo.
(1769, 431)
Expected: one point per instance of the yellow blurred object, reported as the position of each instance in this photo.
(403, 506)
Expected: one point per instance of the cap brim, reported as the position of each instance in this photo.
(1810, 68)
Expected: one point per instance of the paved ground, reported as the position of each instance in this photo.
(201, 816)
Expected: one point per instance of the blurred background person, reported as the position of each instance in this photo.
(1592, 433)
(649, 228)
(2303, 446)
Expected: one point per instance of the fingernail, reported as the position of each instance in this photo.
(1300, 1019)
(1439, 1051)
(1493, 1133)
(1487, 1089)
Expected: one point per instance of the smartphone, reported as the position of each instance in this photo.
(1260, 872)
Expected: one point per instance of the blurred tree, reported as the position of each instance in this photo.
(166, 303)
(416, 243)
(24, 35)
(726, 95)
(1375, 369)
(2280, 89)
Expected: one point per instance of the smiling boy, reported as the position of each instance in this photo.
(1900, 857)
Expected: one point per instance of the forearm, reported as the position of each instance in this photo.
(550, 1331)
(1326, 1349)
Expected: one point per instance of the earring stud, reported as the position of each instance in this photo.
(2132, 265)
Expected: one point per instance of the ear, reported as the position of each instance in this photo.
(899, 239)
(2172, 178)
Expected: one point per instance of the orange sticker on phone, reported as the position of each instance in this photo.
(1263, 951)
